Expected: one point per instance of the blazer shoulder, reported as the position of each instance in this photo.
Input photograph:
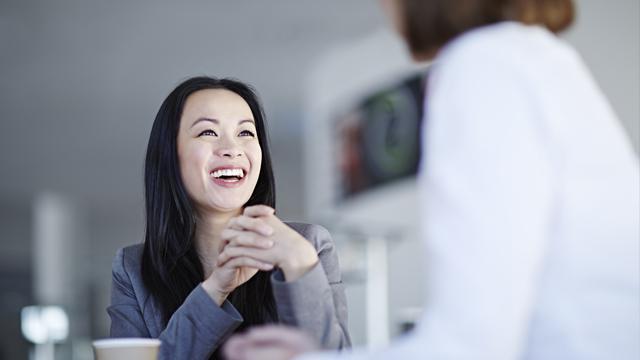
(316, 234)
(128, 260)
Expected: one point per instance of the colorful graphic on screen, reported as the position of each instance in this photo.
(379, 138)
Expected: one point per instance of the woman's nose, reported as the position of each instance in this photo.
(229, 152)
(229, 149)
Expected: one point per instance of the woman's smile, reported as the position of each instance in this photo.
(229, 177)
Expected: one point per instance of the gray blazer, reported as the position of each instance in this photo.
(315, 303)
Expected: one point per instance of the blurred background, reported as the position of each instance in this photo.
(81, 82)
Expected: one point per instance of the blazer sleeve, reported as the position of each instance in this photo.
(316, 302)
(194, 331)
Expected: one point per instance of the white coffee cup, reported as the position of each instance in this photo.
(126, 349)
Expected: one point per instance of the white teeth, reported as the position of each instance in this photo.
(228, 172)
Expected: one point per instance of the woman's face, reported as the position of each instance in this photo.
(218, 150)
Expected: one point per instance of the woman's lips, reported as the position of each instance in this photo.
(228, 183)
(228, 171)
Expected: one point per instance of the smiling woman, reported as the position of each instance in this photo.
(216, 259)
(218, 150)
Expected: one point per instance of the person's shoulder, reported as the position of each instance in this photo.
(307, 229)
(490, 37)
(501, 44)
(318, 235)
(490, 61)
(128, 259)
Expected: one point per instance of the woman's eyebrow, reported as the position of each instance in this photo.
(246, 120)
(215, 121)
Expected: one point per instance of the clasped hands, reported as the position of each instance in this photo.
(257, 240)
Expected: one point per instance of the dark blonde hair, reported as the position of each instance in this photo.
(429, 24)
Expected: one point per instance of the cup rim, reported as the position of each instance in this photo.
(124, 342)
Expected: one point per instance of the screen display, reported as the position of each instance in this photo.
(379, 138)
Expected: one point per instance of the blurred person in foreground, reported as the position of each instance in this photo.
(531, 203)
(216, 259)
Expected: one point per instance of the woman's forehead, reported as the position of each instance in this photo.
(220, 104)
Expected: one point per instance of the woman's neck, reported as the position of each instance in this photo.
(208, 231)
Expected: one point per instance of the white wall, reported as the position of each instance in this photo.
(607, 34)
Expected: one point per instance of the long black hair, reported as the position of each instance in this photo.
(171, 268)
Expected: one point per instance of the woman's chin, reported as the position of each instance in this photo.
(224, 207)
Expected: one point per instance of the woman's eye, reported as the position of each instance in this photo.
(208, 132)
(247, 133)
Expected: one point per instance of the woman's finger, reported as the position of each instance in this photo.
(258, 210)
(225, 238)
(245, 261)
(269, 343)
(275, 334)
(244, 238)
(252, 224)
(228, 234)
(251, 240)
(231, 252)
(233, 348)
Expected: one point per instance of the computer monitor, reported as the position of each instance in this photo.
(379, 137)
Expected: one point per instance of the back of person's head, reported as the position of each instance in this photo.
(429, 24)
